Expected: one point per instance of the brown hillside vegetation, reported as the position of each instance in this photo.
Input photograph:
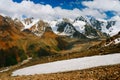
(16, 46)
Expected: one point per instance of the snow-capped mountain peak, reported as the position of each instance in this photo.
(81, 18)
(29, 22)
(115, 28)
(86, 26)
(53, 26)
(79, 26)
(115, 18)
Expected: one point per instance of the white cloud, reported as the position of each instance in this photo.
(93, 13)
(30, 9)
(103, 5)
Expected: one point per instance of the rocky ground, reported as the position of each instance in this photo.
(99, 73)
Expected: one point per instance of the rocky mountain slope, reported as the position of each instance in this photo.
(110, 27)
(17, 45)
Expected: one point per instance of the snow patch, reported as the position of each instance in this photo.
(27, 26)
(114, 29)
(70, 65)
(91, 37)
(68, 30)
(4, 70)
(53, 26)
(117, 40)
(26, 61)
(79, 26)
(102, 20)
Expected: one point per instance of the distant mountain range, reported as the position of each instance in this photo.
(79, 28)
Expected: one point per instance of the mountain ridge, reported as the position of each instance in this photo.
(104, 27)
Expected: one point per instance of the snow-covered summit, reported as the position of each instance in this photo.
(79, 26)
(29, 22)
(110, 27)
(69, 26)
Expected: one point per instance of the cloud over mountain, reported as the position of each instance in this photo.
(104, 5)
(31, 9)
(28, 8)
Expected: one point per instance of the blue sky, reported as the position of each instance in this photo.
(52, 9)
(65, 4)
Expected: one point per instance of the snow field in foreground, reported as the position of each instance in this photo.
(70, 65)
